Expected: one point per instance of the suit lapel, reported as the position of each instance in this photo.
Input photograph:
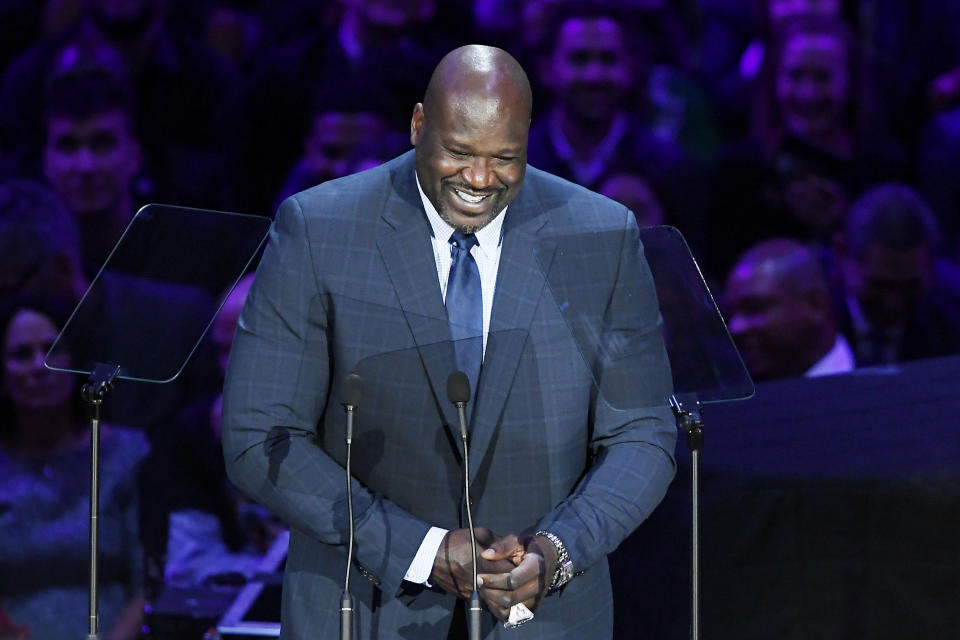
(524, 259)
(404, 244)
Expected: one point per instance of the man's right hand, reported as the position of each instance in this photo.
(453, 566)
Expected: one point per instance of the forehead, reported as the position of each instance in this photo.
(113, 121)
(497, 118)
(780, 9)
(895, 264)
(814, 48)
(754, 280)
(29, 326)
(602, 34)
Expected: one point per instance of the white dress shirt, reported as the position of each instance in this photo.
(838, 360)
(487, 256)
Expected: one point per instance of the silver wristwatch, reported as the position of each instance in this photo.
(564, 564)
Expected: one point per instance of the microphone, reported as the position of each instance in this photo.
(350, 395)
(458, 392)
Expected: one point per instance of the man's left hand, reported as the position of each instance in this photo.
(535, 560)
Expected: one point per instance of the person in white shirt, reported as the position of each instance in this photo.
(780, 314)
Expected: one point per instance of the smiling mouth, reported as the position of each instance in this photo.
(470, 198)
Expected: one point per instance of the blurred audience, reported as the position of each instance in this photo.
(188, 101)
(594, 67)
(779, 312)
(635, 193)
(814, 144)
(736, 37)
(592, 75)
(350, 132)
(197, 529)
(938, 165)
(45, 488)
(91, 156)
(899, 302)
(395, 42)
(40, 253)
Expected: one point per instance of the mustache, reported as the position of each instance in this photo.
(489, 191)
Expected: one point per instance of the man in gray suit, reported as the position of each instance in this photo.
(571, 435)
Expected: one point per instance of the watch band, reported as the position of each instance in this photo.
(564, 570)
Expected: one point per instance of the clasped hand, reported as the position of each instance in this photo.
(511, 569)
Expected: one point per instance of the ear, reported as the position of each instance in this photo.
(416, 124)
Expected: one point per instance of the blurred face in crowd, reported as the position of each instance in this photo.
(590, 68)
(127, 20)
(471, 153)
(91, 162)
(26, 381)
(888, 282)
(334, 140)
(780, 11)
(775, 326)
(817, 202)
(634, 193)
(813, 84)
(393, 14)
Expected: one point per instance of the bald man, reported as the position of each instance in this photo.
(779, 313)
(565, 460)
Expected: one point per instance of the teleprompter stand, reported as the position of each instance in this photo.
(705, 365)
(166, 257)
(686, 410)
(101, 380)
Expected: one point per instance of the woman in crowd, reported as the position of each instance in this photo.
(44, 490)
(814, 145)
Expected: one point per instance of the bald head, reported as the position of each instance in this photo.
(787, 261)
(470, 135)
(479, 71)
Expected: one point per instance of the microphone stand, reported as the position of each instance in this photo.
(350, 398)
(458, 391)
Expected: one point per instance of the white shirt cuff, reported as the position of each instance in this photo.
(422, 565)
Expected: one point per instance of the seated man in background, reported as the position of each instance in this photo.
(780, 315)
(899, 303)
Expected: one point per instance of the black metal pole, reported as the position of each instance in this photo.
(101, 380)
(686, 409)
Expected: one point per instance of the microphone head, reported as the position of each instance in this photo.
(458, 388)
(352, 391)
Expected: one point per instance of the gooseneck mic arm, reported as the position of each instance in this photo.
(458, 392)
(350, 396)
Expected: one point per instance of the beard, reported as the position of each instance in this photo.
(476, 223)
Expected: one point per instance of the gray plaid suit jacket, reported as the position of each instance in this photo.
(348, 283)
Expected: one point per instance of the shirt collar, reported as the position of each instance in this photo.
(487, 238)
(838, 360)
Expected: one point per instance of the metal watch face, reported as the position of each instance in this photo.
(566, 572)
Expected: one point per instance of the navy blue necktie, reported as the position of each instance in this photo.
(464, 303)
